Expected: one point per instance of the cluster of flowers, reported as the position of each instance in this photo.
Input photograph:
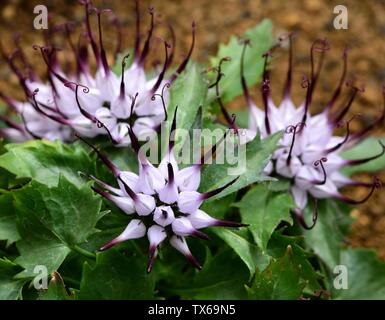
(164, 200)
(309, 152)
(105, 104)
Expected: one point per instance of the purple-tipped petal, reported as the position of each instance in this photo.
(200, 219)
(183, 227)
(156, 235)
(164, 215)
(134, 230)
(144, 204)
(179, 243)
(189, 201)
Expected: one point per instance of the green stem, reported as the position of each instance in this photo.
(84, 252)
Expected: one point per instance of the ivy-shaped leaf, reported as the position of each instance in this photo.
(367, 148)
(250, 254)
(8, 228)
(252, 161)
(263, 210)
(281, 280)
(115, 276)
(52, 221)
(261, 39)
(222, 277)
(44, 161)
(10, 288)
(188, 93)
(365, 276)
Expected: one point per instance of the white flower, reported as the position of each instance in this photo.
(308, 153)
(161, 206)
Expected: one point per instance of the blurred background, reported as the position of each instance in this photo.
(216, 21)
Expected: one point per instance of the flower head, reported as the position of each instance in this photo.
(85, 102)
(164, 205)
(309, 152)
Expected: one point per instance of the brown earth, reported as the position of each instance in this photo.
(218, 19)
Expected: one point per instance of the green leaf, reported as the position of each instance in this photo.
(261, 39)
(281, 280)
(8, 229)
(115, 276)
(253, 160)
(10, 288)
(366, 149)
(51, 221)
(219, 208)
(44, 161)
(250, 254)
(222, 277)
(277, 249)
(56, 289)
(325, 239)
(365, 275)
(263, 210)
(188, 93)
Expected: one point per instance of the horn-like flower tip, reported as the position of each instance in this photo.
(134, 230)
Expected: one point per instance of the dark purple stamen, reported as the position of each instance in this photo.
(35, 105)
(137, 31)
(84, 112)
(380, 120)
(184, 63)
(9, 101)
(91, 38)
(164, 214)
(287, 90)
(146, 47)
(343, 112)
(362, 161)
(103, 55)
(171, 138)
(317, 163)
(133, 102)
(339, 145)
(170, 171)
(31, 74)
(122, 85)
(375, 185)
(10, 123)
(200, 235)
(129, 191)
(161, 95)
(265, 89)
(301, 219)
(225, 113)
(134, 141)
(311, 83)
(173, 43)
(209, 154)
(47, 53)
(245, 89)
(151, 258)
(337, 92)
(294, 130)
(119, 35)
(162, 73)
(108, 163)
(230, 224)
(214, 192)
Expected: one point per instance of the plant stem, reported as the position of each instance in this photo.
(84, 252)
